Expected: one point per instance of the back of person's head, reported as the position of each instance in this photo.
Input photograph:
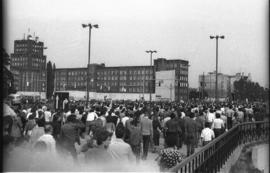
(72, 110)
(56, 117)
(71, 118)
(117, 113)
(101, 135)
(40, 113)
(39, 122)
(48, 128)
(33, 109)
(143, 110)
(217, 115)
(32, 116)
(207, 124)
(191, 115)
(172, 115)
(119, 131)
(136, 118)
(103, 111)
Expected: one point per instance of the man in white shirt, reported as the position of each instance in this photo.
(48, 139)
(210, 117)
(207, 134)
(124, 118)
(120, 150)
(90, 120)
(48, 115)
(218, 125)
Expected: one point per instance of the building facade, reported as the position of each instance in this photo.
(225, 84)
(29, 64)
(140, 80)
(181, 75)
(165, 87)
(125, 79)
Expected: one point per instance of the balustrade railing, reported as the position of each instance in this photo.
(213, 156)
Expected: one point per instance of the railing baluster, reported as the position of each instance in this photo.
(212, 157)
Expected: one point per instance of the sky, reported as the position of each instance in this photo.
(176, 29)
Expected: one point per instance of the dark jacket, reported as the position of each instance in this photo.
(70, 132)
(191, 129)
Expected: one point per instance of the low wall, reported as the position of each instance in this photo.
(26, 93)
(81, 95)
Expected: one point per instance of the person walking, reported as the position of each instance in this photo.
(190, 133)
(48, 139)
(218, 125)
(172, 129)
(147, 132)
(135, 136)
(207, 134)
(120, 150)
(70, 134)
(156, 132)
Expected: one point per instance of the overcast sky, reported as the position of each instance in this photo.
(177, 29)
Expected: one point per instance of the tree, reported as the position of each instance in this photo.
(252, 91)
(8, 79)
(49, 80)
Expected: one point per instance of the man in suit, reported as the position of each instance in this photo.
(147, 131)
(190, 133)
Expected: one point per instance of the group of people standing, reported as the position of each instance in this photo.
(110, 132)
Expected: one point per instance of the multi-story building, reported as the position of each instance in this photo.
(130, 79)
(225, 84)
(29, 62)
(126, 79)
(139, 80)
(181, 75)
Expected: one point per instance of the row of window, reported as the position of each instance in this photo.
(181, 84)
(37, 65)
(19, 59)
(38, 60)
(77, 78)
(183, 78)
(125, 72)
(76, 73)
(19, 64)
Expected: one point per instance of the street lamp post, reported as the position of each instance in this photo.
(151, 52)
(88, 64)
(216, 87)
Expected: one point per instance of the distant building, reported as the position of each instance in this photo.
(165, 87)
(129, 82)
(181, 75)
(225, 84)
(125, 79)
(29, 63)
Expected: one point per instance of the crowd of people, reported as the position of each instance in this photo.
(108, 132)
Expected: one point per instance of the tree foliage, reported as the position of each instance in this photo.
(8, 79)
(194, 94)
(50, 79)
(244, 89)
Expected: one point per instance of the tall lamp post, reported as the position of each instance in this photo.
(151, 52)
(216, 87)
(90, 26)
